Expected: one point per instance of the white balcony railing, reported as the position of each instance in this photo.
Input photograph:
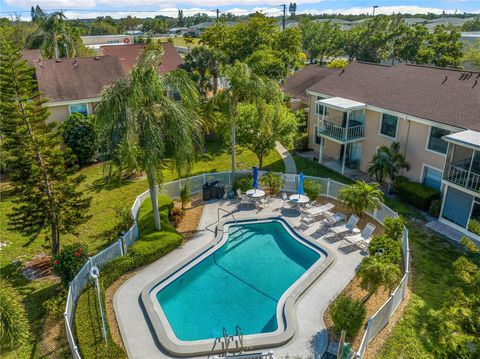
(462, 177)
(341, 133)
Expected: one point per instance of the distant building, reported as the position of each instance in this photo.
(95, 42)
(177, 31)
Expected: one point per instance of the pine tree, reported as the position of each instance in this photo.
(46, 189)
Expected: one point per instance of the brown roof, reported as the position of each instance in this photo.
(443, 95)
(128, 55)
(76, 78)
(296, 85)
(32, 56)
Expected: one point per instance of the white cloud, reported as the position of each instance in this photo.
(53, 4)
(385, 10)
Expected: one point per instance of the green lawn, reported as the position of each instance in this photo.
(105, 199)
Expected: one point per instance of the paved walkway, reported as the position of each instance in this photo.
(287, 158)
(309, 340)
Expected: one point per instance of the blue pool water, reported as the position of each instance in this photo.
(239, 284)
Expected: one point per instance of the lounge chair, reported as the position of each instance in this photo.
(347, 227)
(263, 202)
(243, 198)
(330, 220)
(362, 240)
(285, 199)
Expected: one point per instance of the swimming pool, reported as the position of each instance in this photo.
(243, 281)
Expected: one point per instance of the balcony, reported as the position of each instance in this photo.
(458, 175)
(354, 131)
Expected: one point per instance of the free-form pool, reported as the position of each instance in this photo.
(245, 280)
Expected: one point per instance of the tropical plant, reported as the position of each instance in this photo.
(387, 162)
(14, 328)
(262, 125)
(243, 182)
(274, 182)
(337, 64)
(376, 272)
(321, 39)
(312, 188)
(435, 207)
(394, 226)
(185, 194)
(175, 216)
(390, 249)
(360, 197)
(141, 115)
(474, 226)
(79, 133)
(347, 314)
(203, 63)
(47, 190)
(54, 36)
(68, 262)
(244, 86)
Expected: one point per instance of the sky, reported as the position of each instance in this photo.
(149, 8)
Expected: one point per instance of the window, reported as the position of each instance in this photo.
(432, 178)
(388, 127)
(435, 142)
(79, 108)
(319, 107)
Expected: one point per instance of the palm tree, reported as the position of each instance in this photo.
(142, 114)
(387, 162)
(54, 36)
(203, 62)
(243, 86)
(361, 196)
(375, 272)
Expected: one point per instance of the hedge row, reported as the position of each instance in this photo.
(416, 194)
(151, 246)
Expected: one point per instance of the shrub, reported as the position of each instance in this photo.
(394, 227)
(243, 182)
(312, 188)
(416, 194)
(301, 142)
(337, 64)
(347, 314)
(68, 262)
(273, 181)
(78, 133)
(474, 226)
(435, 207)
(360, 197)
(176, 215)
(185, 194)
(14, 327)
(392, 249)
(56, 305)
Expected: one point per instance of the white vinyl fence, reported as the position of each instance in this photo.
(172, 189)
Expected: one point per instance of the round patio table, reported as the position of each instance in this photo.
(255, 193)
(299, 198)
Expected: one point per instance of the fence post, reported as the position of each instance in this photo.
(204, 178)
(120, 243)
(375, 214)
(328, 187)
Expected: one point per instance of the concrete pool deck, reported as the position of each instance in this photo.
(308, 341)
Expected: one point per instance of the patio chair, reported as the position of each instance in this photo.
(285, 199)
(361, 240)
(330, 220)
(347, 227)
(242, 198)
(263, 202)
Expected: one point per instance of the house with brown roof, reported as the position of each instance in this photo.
(128, 55)
(434, 113)
(74, 84)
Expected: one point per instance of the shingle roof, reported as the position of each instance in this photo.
(76, 78)
(128, 55)
(296, 85)
(443, 95)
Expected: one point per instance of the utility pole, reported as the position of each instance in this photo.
(284, 14)
(218, 14)
(374, 10)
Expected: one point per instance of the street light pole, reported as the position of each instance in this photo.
(374, 7)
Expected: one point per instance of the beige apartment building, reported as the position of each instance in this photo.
(353, 111)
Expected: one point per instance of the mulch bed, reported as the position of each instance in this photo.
(38, 268)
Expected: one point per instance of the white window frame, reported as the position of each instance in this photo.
(380, 127)
(428, 141)
(79, 103)
(424, 172)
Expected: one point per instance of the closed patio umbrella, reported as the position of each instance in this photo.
(300, 184)
(255, 177)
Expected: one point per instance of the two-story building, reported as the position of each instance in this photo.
(355, 110)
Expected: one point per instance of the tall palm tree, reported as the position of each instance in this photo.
(153, 117)
(54, 36)
(203, 62)
(243, 86)
(387, 162)
(361, 196)
(375, 272)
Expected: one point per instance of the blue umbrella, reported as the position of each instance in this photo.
(300, 184)
(255, 177)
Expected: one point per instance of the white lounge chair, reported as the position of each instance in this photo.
(362, 240)
(330, 220)
(347, 227)
(285, 199)
(263, 202)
